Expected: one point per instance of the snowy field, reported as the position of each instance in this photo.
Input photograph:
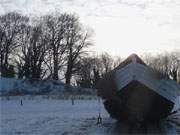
(46, 117)
(40, 116)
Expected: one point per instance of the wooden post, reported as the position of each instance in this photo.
(21, 102)
(99, 120)
(72, 100)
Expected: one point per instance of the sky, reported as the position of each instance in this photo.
(121, 27)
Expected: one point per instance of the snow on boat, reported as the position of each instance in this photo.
(134, 92)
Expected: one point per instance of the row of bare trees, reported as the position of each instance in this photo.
(44, 47)
(55, 47)
(50, 47)
(168, 64)
(95, 67)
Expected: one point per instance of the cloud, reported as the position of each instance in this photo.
(121, 26)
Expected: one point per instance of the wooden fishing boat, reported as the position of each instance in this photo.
(134, 92)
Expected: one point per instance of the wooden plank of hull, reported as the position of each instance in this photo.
(138, 103)
(135, 71)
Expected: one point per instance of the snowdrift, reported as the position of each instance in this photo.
(12, 86)
(16, 86)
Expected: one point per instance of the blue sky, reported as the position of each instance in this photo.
(121, 27)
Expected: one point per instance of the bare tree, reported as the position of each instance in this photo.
(77, 39)
(23, 54)
(55, 31)
(179, 76)
(174, 67)
(85, 73)
(32, 51)
(167, 64)
(116, 61)
(10, 26)
(107, 62)
(52, 44)
(92, 68)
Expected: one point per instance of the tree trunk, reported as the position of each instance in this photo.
(55, 72)
(68, 78)
(68, 74)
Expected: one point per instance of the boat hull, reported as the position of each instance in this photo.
(138, 103)
(134, 92)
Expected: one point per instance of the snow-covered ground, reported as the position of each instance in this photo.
(40, 116)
